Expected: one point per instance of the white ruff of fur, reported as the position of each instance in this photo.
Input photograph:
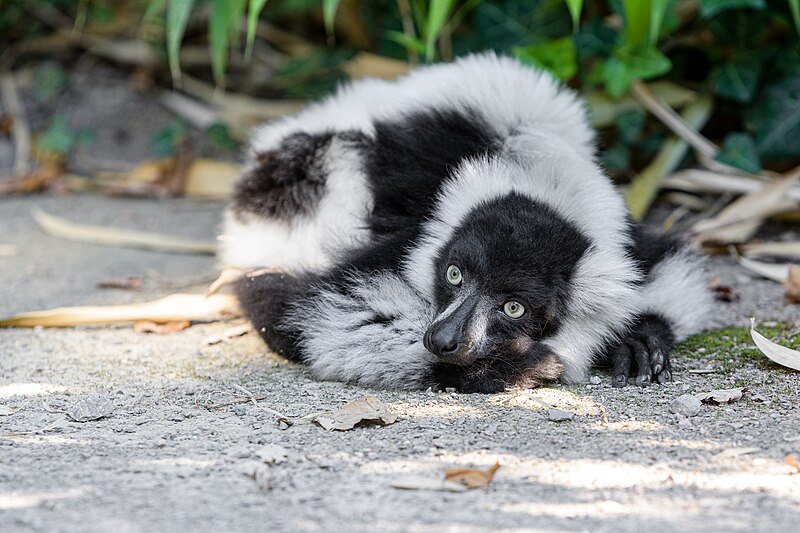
(545, 169)
(677, 289)
(342, 342)
(305, 243)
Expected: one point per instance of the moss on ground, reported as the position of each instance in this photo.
(731, 349)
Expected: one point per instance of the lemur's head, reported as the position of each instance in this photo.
(502, 280)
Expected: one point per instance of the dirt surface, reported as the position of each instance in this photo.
(163, 461)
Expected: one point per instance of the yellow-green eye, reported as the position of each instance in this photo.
(454, 275)
(514, 309)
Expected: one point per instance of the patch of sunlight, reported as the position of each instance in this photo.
(634, 425)
(54, 440)
(437, 409)
(175, 461)
(17, 500)
(580, 509)
(30, 389)
(537, 399)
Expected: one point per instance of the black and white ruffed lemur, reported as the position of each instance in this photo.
(452, 229)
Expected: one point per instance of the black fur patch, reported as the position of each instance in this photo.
(412, 157)
(650, 247)
(287, 182)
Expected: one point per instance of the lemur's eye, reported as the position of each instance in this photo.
(454, 276)
(514, 309)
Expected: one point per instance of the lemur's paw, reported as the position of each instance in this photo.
(644, 353)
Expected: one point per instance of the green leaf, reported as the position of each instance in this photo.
(253, 12)
(739, 150)
(166, 140)
(709, 8)
(406, 41)
(794, 5)
(219, 136)
(628, 65)
(178, 12)
(630, 125)
(48, 81)
(775, 120)
(438, 11)
(575, 8)
(617, 156)
(58, 137)
(737, 79)
(558, 56)
(657, 11)
(637, 22)
(329, 8)
(222, 25)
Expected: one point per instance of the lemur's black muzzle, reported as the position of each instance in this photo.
(448, 336)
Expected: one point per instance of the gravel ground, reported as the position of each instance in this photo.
(164, 462)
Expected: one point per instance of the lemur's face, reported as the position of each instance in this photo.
(502, 281)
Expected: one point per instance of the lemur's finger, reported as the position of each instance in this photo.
(621, 360)
(665, 376)
(642, 356)
(658, 354)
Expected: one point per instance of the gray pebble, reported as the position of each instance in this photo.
(686, 405)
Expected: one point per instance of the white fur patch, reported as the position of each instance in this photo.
(342, 341)
(306, 243)
(677, 289)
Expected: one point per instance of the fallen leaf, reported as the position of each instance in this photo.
(426, 483)
(146, 326)
(168, 309)
(774, 271)
(38, 180)
(735, 452)
(792, 285)
(272, 454)
(8, 250)
(472, 479)
(775, 352)
(129, 284)
(123, 238)
(351, 414)
(92, 407)
(7, 410)
(228, 334)
(791, 460)
(723, 293)
(721, 396)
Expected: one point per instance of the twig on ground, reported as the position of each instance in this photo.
(281, 417)
(673, 120)
(19, 126)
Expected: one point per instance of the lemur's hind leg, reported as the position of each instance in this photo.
(675, 302)
(299, 203)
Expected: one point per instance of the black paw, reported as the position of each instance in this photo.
(643, 354)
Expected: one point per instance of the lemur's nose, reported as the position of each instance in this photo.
(443, 339)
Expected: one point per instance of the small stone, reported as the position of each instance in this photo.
(595, 380)
(686, 405)
(239, 410)
(557, 415)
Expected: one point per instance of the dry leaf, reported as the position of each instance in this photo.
(775, 272)
(38, 180)
(130, 284)
(779, 354)
(735, 452)
(228, 334)
(792, 285)
(348, 416)
(8, 250)
(723, 293)
(721, 396)
(59, 227)
(92, 407)
(147, 326)
(426, 483)
(168, 309)
(771, 249)
(7, 410)
(472, 479)
(791, 460)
